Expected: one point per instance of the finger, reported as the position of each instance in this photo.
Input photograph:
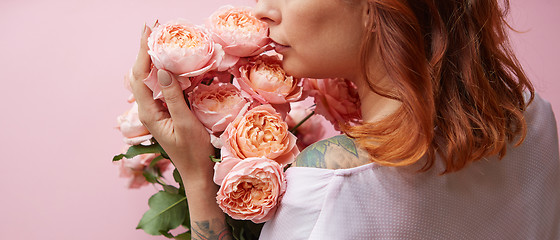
(143, 62)
(174, 97)
(140, 71)
(147, 106)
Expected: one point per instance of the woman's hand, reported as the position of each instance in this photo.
(185, 140)
(176, 128)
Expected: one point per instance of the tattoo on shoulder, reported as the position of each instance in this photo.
(210, 230)
(343, 150)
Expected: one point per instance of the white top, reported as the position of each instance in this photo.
(513, 198)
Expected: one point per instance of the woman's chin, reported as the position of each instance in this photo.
(300, 70)
(295, 69)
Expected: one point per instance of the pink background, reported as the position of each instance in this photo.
(63, 63)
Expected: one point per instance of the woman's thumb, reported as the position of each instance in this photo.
(173, 95)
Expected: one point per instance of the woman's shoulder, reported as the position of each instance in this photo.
(338, 152)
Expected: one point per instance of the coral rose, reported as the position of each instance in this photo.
(133, 131)
(239, 31)
(251, 190)
(217, 105)
(267, 82)
(260, 132)
(336, 99)
(185, 50)
(182, 48)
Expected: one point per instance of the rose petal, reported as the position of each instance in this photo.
(222, 168)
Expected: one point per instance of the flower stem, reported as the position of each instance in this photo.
(293, 130)
(160, 181)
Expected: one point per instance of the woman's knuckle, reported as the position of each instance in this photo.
(174, 99)
(138, 74)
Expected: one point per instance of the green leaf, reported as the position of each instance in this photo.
(167, 211)
(177, 178)
(167, 234)
(171, 189)
(244, 229)
(161, 151)
(254, 229)
(155, 160)
(138, 150)
(242, 234)
(236, 227)
(184, 236)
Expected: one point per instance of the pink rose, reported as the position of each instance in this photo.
(217, 105)
(134, 168)
(260, 132)
(267, 82)
(182, 48)
(186, 51)
(337, 100)
(311, 131)
(239, 31)
(131, 128)
(251, 190)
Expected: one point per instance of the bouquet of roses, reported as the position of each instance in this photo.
(252, 109)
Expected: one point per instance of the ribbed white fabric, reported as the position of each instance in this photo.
(513, 198)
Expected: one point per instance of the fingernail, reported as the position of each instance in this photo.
(164, 78)
(144, 29)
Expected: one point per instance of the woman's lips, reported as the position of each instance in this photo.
(279, 48)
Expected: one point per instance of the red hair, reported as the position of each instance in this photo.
(460, 85)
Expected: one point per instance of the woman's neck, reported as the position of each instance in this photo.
(374, 106)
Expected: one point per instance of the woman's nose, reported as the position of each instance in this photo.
(267, 11)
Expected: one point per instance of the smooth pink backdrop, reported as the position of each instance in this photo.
(62, 65)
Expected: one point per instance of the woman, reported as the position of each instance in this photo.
(443, 101)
